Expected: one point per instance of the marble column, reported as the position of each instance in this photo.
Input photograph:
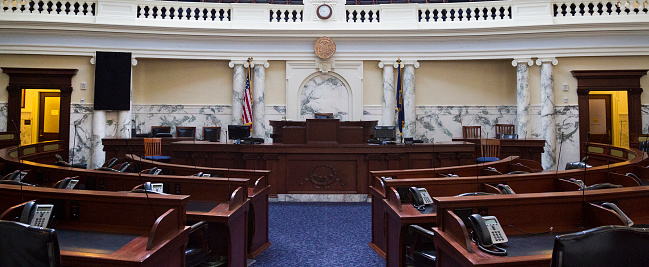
(389, 94)
(522, 95)
(410, 116)
(238, 84)
(259, 100)
(98, 157)
(548, 120)
(124, 124)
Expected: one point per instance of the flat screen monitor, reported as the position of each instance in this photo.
(238, 132)
(324, 115)
(211, 134)
(387, 133)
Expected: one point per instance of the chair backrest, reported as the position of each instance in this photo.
(183, 131)
(155, 130)
(490, 147)
(602, 246)
(152, 147)
(212, 133)
(505, 129)
(25, 245)
(474, 132)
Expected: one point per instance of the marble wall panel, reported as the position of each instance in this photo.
(199, 116)
(81, 139)
(3, 116)
(445, 122)
(326, 94)
(645, 118)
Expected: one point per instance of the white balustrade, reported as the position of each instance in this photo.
(167, 10)
(363, 13)
(48, 7)
(286, 13)
(264, 16)
(463, 12)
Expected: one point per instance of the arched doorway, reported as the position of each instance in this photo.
(36, 78)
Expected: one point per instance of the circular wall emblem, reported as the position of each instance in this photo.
(324, 47)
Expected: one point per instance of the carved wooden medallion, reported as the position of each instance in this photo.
(324, 47)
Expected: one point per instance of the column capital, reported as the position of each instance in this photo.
(518, 61)
(414, 63)
(263, 63)
(236, 62)
(388, 63)
(546, 60)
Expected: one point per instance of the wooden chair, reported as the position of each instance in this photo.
(212, 134)
(155, 130)
(502, 129)
(153, 149)
(471, 132)
(489, 150)
(184, 131)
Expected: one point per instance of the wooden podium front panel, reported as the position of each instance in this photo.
(322, 131)
(323, 173)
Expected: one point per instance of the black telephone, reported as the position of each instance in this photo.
(124, 167)
(420, 197)
(155, 171)
(505, 189)
(449, 175)
(14, 178)
(68, 183)
(628, 221)
(492, 169)
(488, 231)
(199, 174)
(579, 182)
(36, 214)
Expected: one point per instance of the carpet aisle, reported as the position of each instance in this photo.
(319, 234)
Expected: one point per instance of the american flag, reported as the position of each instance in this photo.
(400, 111)
(247, 102)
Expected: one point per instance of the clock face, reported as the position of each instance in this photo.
(324, 11)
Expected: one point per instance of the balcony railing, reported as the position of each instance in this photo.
(265, 16)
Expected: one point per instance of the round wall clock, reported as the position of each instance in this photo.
(324, 11)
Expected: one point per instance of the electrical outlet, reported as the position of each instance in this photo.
(565, 87)
(84, 86)
(74, 209)
(565, 100)
(83, 100)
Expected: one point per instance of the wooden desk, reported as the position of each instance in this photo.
(258, 191)
(295, 132)
(525, 148)
(321, 168)
(144, 239)
(118, 147)
(563, 212)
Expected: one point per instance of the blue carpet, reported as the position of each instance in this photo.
(319, 234)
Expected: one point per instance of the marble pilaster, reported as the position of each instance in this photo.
(548, 120)
(97, 155)
(259, 100)
(238, 84)
(389, 94)
(410, 115)
(522, 95)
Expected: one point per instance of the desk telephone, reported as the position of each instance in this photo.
(420, 197)
(488, 231)
(68, 183)
(155, 171)
(505, 189)
(37, 214)
(627, 220)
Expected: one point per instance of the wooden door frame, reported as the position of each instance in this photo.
(609, 80)
(609, 122)
(39, 78)
(41, 114)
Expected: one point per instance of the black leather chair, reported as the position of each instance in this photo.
(161, 131)
(577, 165)
(197, 251)
(182, 131)
(24, 245)
(603, 246)
(421, 250)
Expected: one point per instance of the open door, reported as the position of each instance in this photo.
(48, 116)
(599, 114)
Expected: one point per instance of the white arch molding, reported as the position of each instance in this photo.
(330, 93)
(299, 73)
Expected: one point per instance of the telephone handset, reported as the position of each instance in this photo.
(37, 215)
(199, 174)
(206, 175)
(420, 197)
(68, 183)
(155, 171)
(505, 189)
(488, 231)
(628, 221)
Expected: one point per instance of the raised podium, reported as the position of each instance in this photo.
(322, 131)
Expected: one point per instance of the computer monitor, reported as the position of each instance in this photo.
(238, 132)
(323, 115)
(385, 133)
(211, 134)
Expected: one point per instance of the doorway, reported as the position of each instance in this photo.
(599, 115)
(48, 116)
